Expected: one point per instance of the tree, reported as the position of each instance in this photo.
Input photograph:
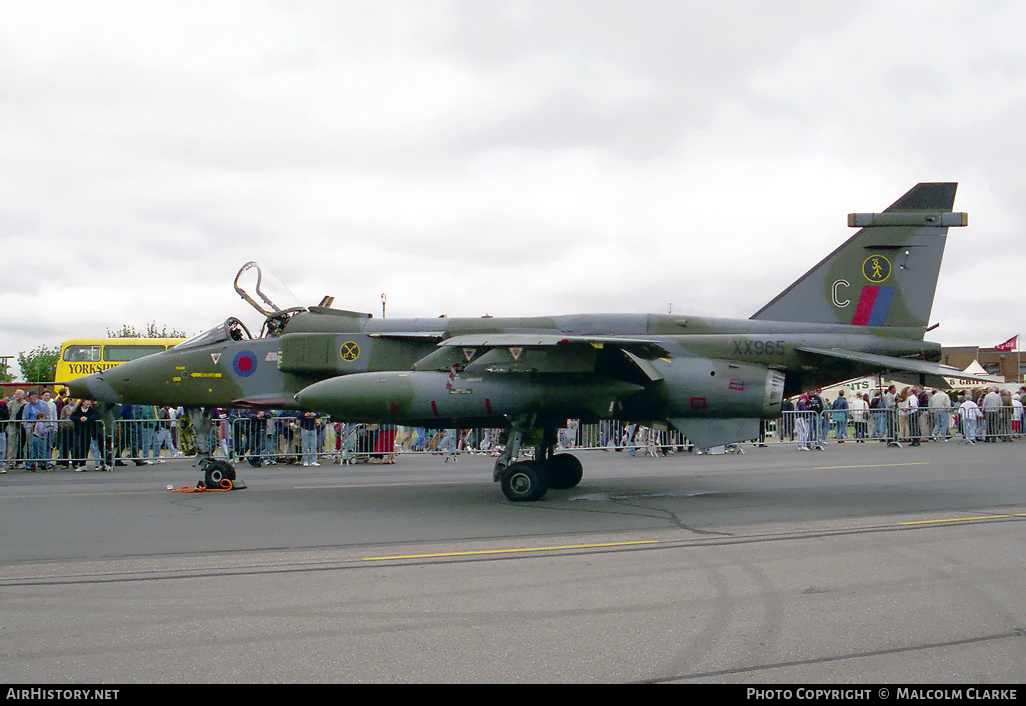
(39, 364)
(129, 331)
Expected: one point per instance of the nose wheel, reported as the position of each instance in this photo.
(217, 473)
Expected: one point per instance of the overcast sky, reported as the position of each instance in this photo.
(508, 158)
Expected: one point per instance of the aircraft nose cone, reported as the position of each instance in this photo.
(93, 387)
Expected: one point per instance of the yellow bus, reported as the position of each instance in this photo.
(84, 356)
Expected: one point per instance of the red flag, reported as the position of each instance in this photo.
(1010, 345)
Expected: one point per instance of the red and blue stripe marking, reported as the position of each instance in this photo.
(874, 303)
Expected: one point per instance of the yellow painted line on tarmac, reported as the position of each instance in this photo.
(873, 465)
(482, 552)
(965, 519)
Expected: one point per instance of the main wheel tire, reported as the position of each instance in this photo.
(525, 482)
(565, 471)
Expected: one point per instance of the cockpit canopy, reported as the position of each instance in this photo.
(269, 296)
(265, 292)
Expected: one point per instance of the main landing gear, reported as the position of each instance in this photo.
(530, 480)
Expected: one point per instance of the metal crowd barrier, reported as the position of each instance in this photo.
(263, 440)
(43, 445)
(607, 434)
(363, 442)
(283, 440)
(147, 440)
(901, 426)
(269, 440)
(280, 440)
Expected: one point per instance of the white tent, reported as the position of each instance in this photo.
(872, 382)
(976, 370)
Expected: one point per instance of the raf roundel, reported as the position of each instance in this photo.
(244, 364)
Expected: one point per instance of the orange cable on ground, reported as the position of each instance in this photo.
(226, 485)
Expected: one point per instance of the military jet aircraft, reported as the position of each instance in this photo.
(864, 308)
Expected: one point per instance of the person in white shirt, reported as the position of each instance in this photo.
(971, 415)
(913, 416)
(1016, 415)
(858, 408)
(940, 410)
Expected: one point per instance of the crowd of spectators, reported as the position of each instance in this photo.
(912, 415)
(42, 431)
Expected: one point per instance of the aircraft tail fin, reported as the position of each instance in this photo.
(885, 274)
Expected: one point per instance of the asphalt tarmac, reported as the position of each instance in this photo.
(857, 564)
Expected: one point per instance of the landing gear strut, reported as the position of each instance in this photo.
(530, 480)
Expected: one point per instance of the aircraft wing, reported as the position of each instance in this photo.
(641, 347)
(935, 372)
(536, 352)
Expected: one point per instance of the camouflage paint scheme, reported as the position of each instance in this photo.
(863, 309)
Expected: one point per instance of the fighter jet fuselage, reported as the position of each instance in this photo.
(865, 308)
(694, 366)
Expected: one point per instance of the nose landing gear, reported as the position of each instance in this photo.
(217, 473)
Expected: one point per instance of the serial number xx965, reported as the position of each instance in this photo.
(749, 347)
